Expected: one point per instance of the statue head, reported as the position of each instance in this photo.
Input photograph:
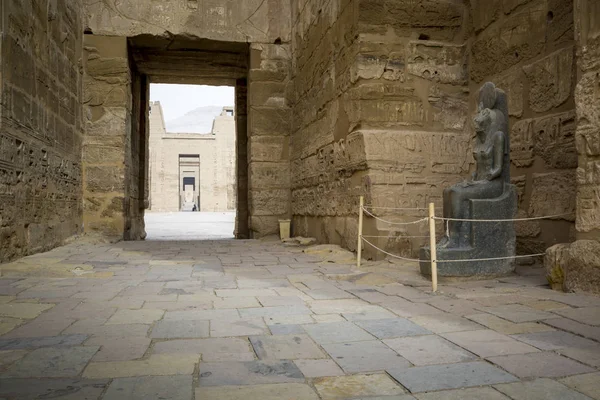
(490, 115)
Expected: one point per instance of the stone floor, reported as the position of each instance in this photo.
(189, 225)
(241, 320)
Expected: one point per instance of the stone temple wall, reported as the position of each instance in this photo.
(527, 48)
(216, 151)
(381, 92)
(40, 125)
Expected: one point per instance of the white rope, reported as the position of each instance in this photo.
(394, 208)
(395, 223)
(492, 259)
(389, 254)
(396, 237)
(501, 220)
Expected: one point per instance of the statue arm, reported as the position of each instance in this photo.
(498, 156)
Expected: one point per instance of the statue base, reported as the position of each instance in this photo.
(486, 240)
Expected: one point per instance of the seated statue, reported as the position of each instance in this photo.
(490, 152)
(487, 196)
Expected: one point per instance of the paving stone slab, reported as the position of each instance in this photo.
(295, 391)
(588, 384)
(449, 376)
(357, 386)
(285, 347)
(273, 301)
(202, 315)
(243, 327)
(428, 350)
(445, 323)
(584, 315)
(405, 308)
(143, 316)
(456, 306)
(249, 373)
(318, 368)
(540, 365)
(336, 332)
(119, 348)
(482, 393)
(274, 311)
(23, 310)
(156, 364)
(51, 363)
(364, 356)
(391, 328)
(99, 329)
(589, 355)
(236, 302)
(212, 349)
(46, 341)
(539, 389)
(180, 329)
(64, 389)
(10, 356)
(178, 387)
(518, 313)
(506, 327)
(488, 343)
(590, 332)
(348, 306)
(378, 313)
(286, 329)
(555, 340)
(245, 292)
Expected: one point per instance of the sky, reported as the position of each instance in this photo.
(176, 100)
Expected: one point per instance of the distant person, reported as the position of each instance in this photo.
(194, 208)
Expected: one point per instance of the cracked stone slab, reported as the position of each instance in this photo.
(46, 341)
(482, 393)
(488, 343)
(279, 391)
(357, 386)
(211, 349)
(428, 350)
(336, 332)
(64, 389)
(450, 376)
(540, 365)
(249, 373)
(539, 389)
(391, 328)
(52, 363)
(178, 387)
(366, 356)
(285, 347)
(588, 384)
(180, 329)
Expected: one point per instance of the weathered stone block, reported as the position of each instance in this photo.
(269, 202)
(555, 140)
(105, 179)
(518, 38)
(269, 121)
(574, 267)
(550, 80)
(512, 84)
(263, 175)
(439, 62)
(552, 194)
(269, 148)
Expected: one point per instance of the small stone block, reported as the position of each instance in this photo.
(482, 393)
(282, 391)
(350, 387)
(336, 332)
(428, 350)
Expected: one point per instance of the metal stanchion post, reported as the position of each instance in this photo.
(433, 250)
(360, 224)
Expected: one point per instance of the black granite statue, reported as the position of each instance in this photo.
(488, 195)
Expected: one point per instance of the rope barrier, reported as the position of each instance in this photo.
(394, 223)
(390, 254)
(493, 258)
(394, 208)
(500, 220)
(395, 237)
